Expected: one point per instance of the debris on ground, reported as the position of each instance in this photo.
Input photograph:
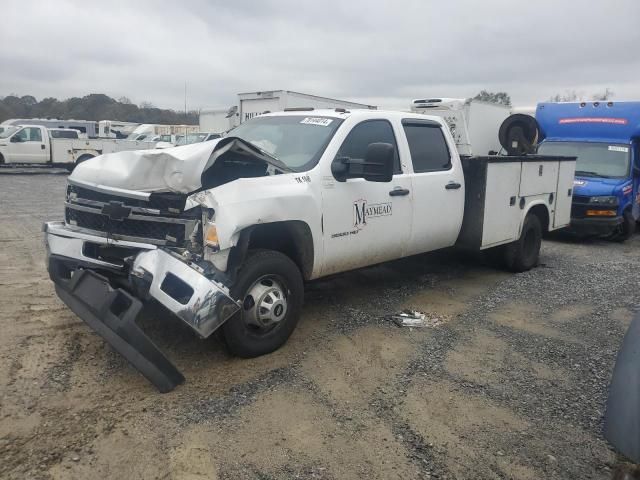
(414, 318)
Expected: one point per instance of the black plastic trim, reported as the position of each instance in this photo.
(111, 313)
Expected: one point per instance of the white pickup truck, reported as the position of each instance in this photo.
(35, 144)
(225, 233)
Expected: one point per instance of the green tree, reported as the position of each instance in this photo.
(573, 96)
(501, 98)
(95, 106)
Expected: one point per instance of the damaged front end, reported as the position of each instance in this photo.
(119, 247)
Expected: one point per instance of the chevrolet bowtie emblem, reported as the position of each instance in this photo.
(116, 211)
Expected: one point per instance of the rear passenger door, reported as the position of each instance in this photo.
(437, 187)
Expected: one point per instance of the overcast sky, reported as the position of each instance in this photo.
(379, 52)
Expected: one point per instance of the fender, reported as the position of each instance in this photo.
(247, 204)
(537, 203)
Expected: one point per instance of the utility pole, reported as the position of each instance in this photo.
(185, 100)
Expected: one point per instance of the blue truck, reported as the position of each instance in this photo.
(605, 138)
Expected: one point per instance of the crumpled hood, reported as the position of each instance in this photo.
(177, 169)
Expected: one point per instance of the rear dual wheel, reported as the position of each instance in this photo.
(524, 253)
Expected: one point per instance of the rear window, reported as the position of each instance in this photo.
(64, 134)
(428, 147)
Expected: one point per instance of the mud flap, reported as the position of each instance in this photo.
(112, 313)
(622, 419)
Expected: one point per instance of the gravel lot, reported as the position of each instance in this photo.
(511, 385)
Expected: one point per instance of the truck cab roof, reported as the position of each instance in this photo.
(356, 113)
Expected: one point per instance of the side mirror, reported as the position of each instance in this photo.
(377, 165)
(15, 139)
(378, 162)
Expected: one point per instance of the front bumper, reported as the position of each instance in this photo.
(595, 226)
(85, 283)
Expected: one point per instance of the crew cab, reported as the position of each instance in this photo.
(225, 233)
(35, 144)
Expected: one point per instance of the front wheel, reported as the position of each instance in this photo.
(626, 229)
(270, 288)
(523, 254)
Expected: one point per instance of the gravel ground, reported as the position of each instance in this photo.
(511, 384)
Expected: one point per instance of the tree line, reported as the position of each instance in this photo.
(95, 106)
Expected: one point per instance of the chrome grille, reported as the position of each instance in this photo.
(158, 220)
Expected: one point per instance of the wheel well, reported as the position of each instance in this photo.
(292, 238)
(542, 213)
(84, 157)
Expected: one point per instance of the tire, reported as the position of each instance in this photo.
(523, 254)
(266, 278)
(495, 256)
(1, 159)
(627, 228)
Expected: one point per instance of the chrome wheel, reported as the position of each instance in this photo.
(265, 304)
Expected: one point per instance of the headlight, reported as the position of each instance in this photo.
(604, 200)
(211, 236)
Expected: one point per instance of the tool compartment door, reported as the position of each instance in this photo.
(538, 178)
(562, 210)
(501, 211)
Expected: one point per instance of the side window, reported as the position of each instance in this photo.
(428, 147)
(34, 134)
(23, 135)
(369, 131)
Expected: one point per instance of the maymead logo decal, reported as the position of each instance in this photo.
(363, 211)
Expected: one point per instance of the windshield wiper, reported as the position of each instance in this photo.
(585, 173)
(276, 161)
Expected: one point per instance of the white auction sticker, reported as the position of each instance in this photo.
(323, 122)
(616, 148)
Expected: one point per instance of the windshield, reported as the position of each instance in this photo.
(8, 131)
(594, 159)
(297, 141)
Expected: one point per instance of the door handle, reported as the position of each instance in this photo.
(452, 186)
(41, 147)
(398, 192)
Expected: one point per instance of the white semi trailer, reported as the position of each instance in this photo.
(252, 104)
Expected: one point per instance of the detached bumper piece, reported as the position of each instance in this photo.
(201, 303)
(112, 313)
(73, 259)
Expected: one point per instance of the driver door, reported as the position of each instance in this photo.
(366, 222)
(30, 147)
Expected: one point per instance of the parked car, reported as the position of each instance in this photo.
(35, 144)
(196, 138)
